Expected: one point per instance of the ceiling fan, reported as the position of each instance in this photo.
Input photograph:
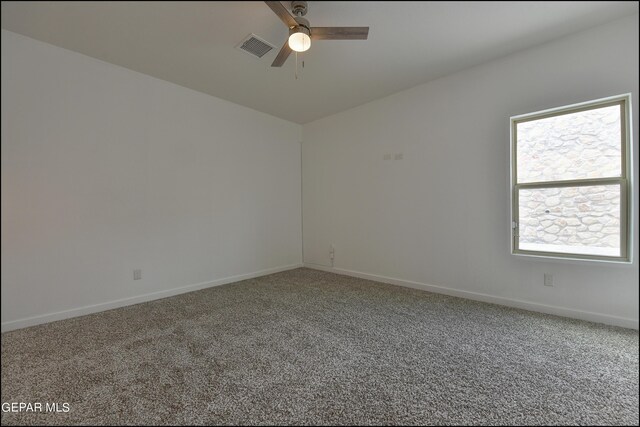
(301, 32)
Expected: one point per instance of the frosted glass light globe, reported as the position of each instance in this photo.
(299, 41)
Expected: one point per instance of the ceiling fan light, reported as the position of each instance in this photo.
(300, 40)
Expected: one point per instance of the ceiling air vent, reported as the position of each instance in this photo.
(255, 46)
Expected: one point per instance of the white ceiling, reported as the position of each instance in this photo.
(193, 43)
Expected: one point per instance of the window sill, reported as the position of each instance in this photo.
(572, 258)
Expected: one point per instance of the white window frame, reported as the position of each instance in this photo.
(625, 180)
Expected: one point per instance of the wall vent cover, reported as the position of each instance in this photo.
(255, 46)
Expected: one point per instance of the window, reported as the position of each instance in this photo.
(570, 181)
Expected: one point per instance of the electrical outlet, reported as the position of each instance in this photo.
(398, 156)
(137, 274)
(387, 156)
(548, 279)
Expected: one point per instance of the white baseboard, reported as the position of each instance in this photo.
(95, 308)
(526, 305)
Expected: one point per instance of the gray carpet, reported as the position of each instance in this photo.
(309, 347)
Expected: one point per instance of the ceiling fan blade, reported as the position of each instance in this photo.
(282, 13)
(339, 33)
(282, 55)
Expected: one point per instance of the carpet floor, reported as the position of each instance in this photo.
(310, 347)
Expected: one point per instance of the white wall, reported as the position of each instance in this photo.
(440, 216)
(105, 170)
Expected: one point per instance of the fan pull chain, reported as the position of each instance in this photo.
(296, 71)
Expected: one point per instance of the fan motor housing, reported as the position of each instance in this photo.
(302, 22)
(300, 29)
